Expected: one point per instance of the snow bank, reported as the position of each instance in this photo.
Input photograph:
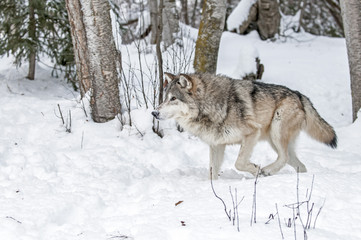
(246, 63)
(239, 14)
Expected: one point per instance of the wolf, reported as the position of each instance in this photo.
(223, 111)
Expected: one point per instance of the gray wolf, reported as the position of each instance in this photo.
(221, 111)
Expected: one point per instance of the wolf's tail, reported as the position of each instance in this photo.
(316, 126)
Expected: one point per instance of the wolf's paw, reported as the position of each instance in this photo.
(268, 171)
(251, 168)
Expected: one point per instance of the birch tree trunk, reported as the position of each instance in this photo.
(351, 14)
(209, 36)
(95, 55)
(80, 48)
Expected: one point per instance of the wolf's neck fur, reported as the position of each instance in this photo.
(211, 132)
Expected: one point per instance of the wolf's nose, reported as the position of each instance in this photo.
(155, 114)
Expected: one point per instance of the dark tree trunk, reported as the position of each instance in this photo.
(193, 19)
(185, 11)
(159, 52)
(32, 36)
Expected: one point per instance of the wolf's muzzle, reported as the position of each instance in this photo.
(155, 114)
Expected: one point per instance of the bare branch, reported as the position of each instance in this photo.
(318, 213)
(254, 206)
(279, 222)
(61, 114)
(215, 194)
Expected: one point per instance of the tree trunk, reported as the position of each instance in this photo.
(32, 36)
(185, 11)
(193, 18)
(209, 36)
(170, 22)
(268, 18)
(153, 9)
(159, 34)
(351, 10)
(96, 56)
(32, 63)
(80, 44)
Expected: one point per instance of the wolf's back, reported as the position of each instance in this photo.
(316, 126)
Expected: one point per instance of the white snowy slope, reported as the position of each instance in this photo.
(98, 182)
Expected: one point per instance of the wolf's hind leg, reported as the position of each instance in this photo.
(247, 145)
(281, 161)
(285, 127)
(293, 160)
(216, 156)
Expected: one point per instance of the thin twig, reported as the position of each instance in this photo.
(234, 206)
(215, 194)
(298, 204)
(254, 206)
(236, 210)
(270, 218)
(61, 114)
(294, 224)
(82, 140)
(13, 219)
(141, 134)
(318, 213)
(68, 123)
(279, 222)
(83, 107)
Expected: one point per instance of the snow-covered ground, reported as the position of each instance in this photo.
(98, 182)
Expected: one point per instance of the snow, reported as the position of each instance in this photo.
(99, 182)
(246, 61)
(239, 14)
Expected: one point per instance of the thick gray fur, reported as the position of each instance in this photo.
(222, 111)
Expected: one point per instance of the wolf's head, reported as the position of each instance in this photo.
(179, 101)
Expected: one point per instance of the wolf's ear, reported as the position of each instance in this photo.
(168, 77)
(186, 81)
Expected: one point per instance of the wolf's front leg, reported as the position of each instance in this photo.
(216, 155)
(247, 145)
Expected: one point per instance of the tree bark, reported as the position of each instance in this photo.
(153, 9)
(159, 34)
(32, 36)
(185, 11)
(96, 56)
(351, 10)
(268, 18)
(170, 22)
(209, 36)
(79, 40)
(193, 18)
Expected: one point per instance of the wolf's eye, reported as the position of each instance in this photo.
(173, 98)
